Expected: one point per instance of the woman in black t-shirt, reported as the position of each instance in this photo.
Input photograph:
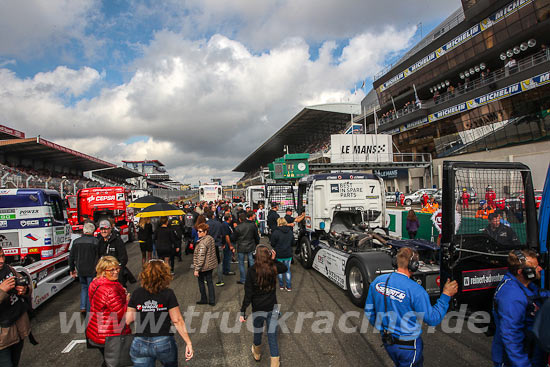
(154, 308)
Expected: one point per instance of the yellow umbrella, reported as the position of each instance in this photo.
(146, 201)
(160, 210)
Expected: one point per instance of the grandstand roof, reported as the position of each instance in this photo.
(116, 173)
(146, 161)
(42, 149)
(9, 133)
(311, 122)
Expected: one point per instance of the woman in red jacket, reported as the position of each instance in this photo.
(107, 299)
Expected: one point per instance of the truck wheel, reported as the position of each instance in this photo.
(357, 282)
(306, 257)
(408, 202)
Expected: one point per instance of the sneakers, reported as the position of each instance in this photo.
(239, 282)
(288, 289)
(281, 288)
(220, 284)
(229, 273)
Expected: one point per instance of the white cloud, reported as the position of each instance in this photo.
(33, 27)
(205, 104)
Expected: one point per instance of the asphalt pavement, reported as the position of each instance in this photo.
(321, 328)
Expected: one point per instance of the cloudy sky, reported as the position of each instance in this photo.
(196, 84)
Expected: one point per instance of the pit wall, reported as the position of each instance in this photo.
(397, 222)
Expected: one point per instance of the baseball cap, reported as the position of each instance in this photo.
(104, 224)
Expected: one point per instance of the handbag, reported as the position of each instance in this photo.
(117, 350)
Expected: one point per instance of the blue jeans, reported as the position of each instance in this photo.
(11, 355)
(227, 255)
(146, 350)
(406, 355)
(285, 276)
(269, 318)
(242, 256)
(84, 299)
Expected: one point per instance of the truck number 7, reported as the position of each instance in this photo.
(371, 189)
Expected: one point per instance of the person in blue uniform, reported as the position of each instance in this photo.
(396, 306)
(516, 301)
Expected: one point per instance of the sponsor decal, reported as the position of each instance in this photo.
(11, 251)
(3, 223)
(47, 253)
(101, 198)
(54, 289)
(29, 223)
(10, 239)
(151, 306)
(47, 241)
(24, 251)
(475, 280)
(28, 212)
(394, 293)
(31, 237)
(334, 188)
(39, 299)
(34, 250)
(120, 197)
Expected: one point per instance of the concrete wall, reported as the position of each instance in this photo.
(534, 155)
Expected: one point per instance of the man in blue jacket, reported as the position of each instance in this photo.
(396, 305)
(516, 301)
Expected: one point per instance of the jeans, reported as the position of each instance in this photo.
(270, 318)
(146, 350)
(262, 227)
(84, 299)
(219, 254)
(285, 276)
(10, 356)
(227, 255)
(242, 256)
(206, 275)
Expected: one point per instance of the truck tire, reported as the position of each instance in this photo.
(357, 283)
(306, 255)
(408, 202)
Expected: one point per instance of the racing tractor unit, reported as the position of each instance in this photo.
(344, 236)
(72, 213)
(210, 192)
(254, 196)
(474, 247)
(283, 194)
(35, 236)
(99, 203)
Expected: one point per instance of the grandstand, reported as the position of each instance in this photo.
(37, 162)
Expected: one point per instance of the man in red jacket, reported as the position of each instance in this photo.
(490, 196)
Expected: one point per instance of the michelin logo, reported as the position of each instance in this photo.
(393, 293)
(29, 223)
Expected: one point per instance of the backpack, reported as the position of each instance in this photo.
(189, 220)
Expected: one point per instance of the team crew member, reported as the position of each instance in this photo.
(272, 217)
(399, 296)
(503, 234)
(484, 210)
(490, 196)
(465, 199)
(228, 249)
(516, 301)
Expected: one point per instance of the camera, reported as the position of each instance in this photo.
(387, 338)
(21, 282)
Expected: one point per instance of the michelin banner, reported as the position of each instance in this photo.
(457, 41)
(502, 93)
(361, 148)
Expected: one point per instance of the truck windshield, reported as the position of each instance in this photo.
(17, 201)
(498, 213)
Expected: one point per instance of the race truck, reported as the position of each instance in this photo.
(469, 254)
(255, 195)
(210, 192)
(35, 236)
(71, 205)
(283, 194)
(344, 236)
(100, 203)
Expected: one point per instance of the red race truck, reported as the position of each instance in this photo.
(100, 203)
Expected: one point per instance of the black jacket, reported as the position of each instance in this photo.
(272, 217)
(145, 234)
(246, 236)
(84, 255)
(281, 241)
(167, 239)
(261, 300)
(215, 230)
(113, 247)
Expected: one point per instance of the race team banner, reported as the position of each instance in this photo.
(502, 93)
(457, 41)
